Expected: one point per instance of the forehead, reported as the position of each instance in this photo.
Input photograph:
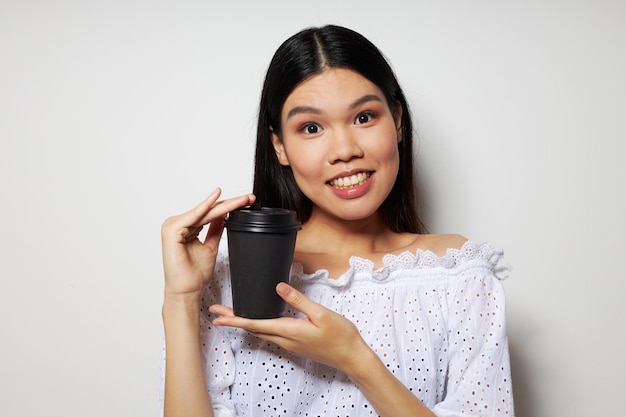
(335, 87)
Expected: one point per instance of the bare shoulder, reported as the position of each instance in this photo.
(439, 244)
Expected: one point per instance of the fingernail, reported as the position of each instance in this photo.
(282, 288)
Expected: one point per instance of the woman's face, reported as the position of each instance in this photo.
(340, 139)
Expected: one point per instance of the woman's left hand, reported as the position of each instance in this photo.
(329, 338)
(323, 335)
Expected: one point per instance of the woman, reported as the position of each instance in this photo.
(383, 319)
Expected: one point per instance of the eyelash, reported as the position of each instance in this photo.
(371, 116)
(305, 126)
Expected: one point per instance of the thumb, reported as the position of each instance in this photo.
(296, 299)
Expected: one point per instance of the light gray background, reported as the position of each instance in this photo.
(117, 114)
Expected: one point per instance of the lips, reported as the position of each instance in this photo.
(349, 181)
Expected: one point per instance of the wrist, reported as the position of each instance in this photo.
(360, 364)
(181, 307)
(383, 389)
(174, 298)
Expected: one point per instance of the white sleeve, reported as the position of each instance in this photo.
(219, 367)
(162, 379)
(478, 377)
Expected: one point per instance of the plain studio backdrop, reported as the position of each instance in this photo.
(117, 114)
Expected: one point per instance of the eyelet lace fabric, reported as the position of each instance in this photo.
(421, 259)
(437, 322)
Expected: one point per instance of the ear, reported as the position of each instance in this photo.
(397, 117)
(279, 148)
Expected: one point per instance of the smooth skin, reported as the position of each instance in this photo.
(334, 123)
(188, 264)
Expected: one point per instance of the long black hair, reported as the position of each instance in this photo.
(308, 53)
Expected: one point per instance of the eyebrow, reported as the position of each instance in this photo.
(365, 99)
(314, 110)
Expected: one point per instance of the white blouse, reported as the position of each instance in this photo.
(437, 322)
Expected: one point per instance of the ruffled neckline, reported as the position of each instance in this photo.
(420, 259)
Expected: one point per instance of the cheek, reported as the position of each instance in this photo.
(305, 162)
(389, 160)
(387, 150)
(392, 150)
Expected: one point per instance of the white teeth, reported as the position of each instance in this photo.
(351, 181)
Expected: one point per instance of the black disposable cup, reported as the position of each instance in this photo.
(261, 245)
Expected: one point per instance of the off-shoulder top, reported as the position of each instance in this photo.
(437, 322)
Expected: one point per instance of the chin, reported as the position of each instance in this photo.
(354, 215)
(355, 209)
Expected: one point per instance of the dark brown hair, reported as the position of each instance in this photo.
(308, 53)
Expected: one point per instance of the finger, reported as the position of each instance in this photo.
(221, 310)
(227, 317)
(217, 225)
(299, 301)
(215, 232)
(207, 211)
(195, 215)
(268, 329)
(219, 209)
(184, 227)
(280, 327)
(192, 217)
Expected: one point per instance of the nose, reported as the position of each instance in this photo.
(344, 146)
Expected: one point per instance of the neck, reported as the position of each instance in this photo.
(325, 234)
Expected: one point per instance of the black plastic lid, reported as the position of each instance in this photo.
(263, 219)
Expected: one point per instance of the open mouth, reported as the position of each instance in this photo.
(350, 180)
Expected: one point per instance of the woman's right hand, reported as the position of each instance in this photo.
(187, 261)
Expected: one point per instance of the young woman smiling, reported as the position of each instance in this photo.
(384, 319)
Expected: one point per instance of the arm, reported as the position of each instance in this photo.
(331, 339)
(185, 385)
(188, 264)
(384, 391)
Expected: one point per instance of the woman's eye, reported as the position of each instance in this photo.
(363, 118)
(311, 128)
